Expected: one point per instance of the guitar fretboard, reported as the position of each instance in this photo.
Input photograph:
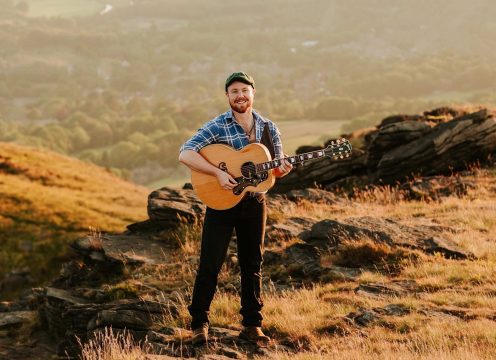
(296, 159)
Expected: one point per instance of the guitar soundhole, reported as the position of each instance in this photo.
(248, 170)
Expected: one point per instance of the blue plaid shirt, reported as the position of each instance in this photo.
(224, 129)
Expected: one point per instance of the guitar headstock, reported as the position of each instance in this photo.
(338, 149)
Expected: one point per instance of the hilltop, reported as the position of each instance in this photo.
(385, 271)
(47, 201)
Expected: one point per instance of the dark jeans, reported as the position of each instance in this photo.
(248, 218)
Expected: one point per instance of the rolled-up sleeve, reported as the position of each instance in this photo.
(276, 140)
(206, 135)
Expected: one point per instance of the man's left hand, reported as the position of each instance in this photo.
(284, 169)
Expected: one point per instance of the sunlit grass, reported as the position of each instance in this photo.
(52, 201)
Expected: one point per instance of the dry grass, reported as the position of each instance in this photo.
(311, 320)
(366, 253)
(49, 200)
(107, 345)
(444, 340)
(188, 237)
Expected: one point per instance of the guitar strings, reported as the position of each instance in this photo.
(257, 167)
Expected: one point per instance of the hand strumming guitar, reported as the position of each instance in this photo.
(226, 181)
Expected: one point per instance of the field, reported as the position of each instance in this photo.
(69, 8)
(307, 132)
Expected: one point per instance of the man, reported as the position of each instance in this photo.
(237, 127)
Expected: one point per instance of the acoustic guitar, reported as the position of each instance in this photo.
(251, 167)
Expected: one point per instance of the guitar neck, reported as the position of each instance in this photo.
(296, 159)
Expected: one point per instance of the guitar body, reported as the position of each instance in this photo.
(235, 162)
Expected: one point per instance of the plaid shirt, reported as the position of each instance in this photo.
(224, 129)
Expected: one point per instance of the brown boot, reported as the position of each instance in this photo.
(200, 335)
(255, 335)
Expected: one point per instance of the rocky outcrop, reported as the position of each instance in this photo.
(450, 145)
(328, 234)
(167, 209)
(69, 317)
(439, 142)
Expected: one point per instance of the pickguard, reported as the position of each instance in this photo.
(243, 182)
(249, 177)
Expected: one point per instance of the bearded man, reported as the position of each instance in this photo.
(238, 127)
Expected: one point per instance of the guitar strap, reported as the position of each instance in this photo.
(267, 141)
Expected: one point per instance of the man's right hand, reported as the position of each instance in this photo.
(226, 181)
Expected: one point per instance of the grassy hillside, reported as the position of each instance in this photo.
(47, 200)
(448, 314)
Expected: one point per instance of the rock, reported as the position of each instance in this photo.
(123, 249)
(171, 205)
(398, 288)
(167, 209)
(150, 226)
(328, 234)
(14, 319)
(214, 357)
(15, 280)
(446, 248)
(229, 352)
(339, 273)
(68, 316)
(121, 319)
(435, 187)
(443, 114)
(447, 147)
(318, 196)
(367, 317)
(290, 228)
(448, 312)
(394, 310)
(394, 119)
(271, 257)
(391, 136)
(162, 357)
(431, 144)
(321, 172)
(363, 317)
(307, 258)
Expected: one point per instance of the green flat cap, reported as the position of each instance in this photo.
(240, 76)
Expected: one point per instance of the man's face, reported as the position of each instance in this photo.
(240, 96)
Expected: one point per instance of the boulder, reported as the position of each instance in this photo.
(68, 317)
(168, 208)
(328, 234)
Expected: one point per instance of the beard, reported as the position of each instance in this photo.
(241, 107)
